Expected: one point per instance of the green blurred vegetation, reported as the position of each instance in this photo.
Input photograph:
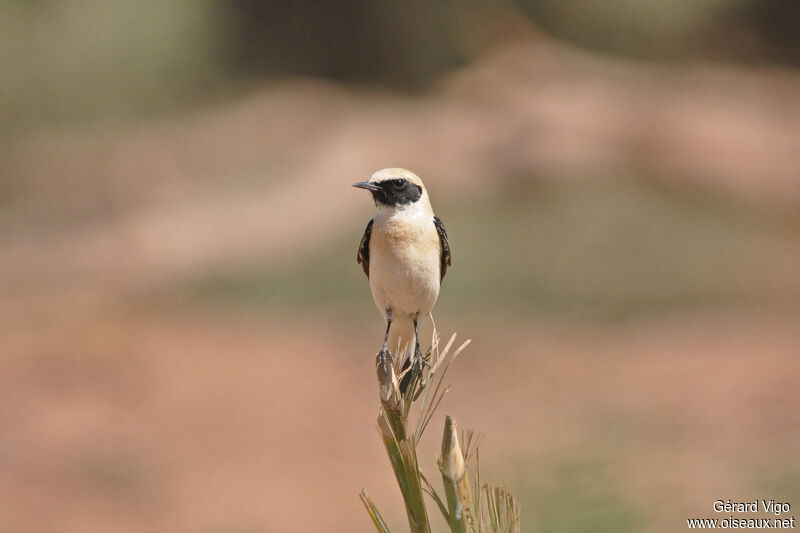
(606, 249)
(579, 497)
(66, 60)
(640, 28)
(779, 480)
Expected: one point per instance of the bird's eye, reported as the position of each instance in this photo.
(400, 183)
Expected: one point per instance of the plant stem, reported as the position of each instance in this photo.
(401, 448)
(456, 484)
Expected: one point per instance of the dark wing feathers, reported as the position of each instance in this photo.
(446, 260)
(363, 249)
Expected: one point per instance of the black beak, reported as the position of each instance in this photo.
(367, 185)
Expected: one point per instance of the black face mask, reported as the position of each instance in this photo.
(394, 192)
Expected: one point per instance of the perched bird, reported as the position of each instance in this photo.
(405, 254)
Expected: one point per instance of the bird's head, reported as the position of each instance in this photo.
(396, 189)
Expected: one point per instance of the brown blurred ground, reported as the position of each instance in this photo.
(130, 403)
(189, 422)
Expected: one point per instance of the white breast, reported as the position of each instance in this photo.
(404, 264)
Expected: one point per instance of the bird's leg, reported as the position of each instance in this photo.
(418, 358)
(417, 352)
(385, 356)
(419, 361)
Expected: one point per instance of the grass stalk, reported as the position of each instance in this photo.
(374, 513)
(456, 483)
(468, 509)
(401, 447)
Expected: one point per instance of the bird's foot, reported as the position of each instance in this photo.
(384, 358)
(423, 361)
(417, 373)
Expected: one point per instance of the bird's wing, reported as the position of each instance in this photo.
(446, 259)
(363, 249)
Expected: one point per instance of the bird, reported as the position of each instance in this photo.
(405, 254)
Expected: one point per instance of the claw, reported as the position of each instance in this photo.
(417, 374)
(384, 358)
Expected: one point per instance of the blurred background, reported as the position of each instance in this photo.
(187, 343)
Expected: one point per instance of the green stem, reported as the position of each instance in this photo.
(401, 449)
(456, 484)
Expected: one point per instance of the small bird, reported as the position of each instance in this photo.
(405, 254)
